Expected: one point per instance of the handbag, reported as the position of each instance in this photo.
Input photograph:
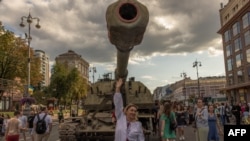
(194, 125)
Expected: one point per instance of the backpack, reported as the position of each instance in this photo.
(41, 125)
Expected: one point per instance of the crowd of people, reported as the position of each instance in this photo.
(206, 119)
(37, 125)
(171, 118)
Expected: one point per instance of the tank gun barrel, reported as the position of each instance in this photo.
(126, 23)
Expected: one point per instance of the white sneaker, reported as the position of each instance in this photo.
(183, 138)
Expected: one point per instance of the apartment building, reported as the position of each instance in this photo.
(235, 32)
(44, 68)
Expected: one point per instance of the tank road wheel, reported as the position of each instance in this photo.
(67, 132)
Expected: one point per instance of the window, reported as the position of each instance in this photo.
(247, 38)
(229, 64)
(230, 79)
(248, 55)
(240, 76)
(246, 20)
(238, 60)
(227, 36)
(228, 50)
(237, 45)
(236, 28)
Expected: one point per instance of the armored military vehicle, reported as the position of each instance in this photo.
(126, 24)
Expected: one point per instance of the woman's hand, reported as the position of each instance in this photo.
(119, 83)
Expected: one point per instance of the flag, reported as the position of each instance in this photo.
(31, 89)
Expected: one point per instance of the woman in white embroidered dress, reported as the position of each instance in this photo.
(127, 126)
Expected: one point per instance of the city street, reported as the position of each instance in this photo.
(189, 135)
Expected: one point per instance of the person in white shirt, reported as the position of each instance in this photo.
(24, 122)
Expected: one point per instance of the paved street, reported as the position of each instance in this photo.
(189, 135)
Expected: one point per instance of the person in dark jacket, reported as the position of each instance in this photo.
(30, 124)
(236, 112)
(60, 116)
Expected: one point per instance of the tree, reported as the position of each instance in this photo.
(58, 85)
(77, 85)
(14, 58)
(67, 84)
(40, 97)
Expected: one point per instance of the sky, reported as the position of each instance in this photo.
(179, 32)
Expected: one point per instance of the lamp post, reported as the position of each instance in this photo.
(29, 20)
(198, 64)
(93, 70)
(184, 75)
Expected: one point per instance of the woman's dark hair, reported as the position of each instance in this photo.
(167, 109)
(181, 107)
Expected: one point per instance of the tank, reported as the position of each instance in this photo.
(126, 23)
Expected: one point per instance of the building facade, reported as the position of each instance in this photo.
(73, 60)
(44, 69)
(235, 32)
(184, 90)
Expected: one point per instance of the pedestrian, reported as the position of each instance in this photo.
(159, 113)
(236, 110)
(13, 128)
(214, 125)
(30, 124)
(222, 113)
(190, 114)
(228, 112)
(155, 119)
(127, 126)
(201, 120)
(60, 115)
(167, 117)
(181, 121)
(245, 114)
(24, 122)
(42, 116)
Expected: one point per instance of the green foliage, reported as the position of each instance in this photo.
(77, 85)
(40, 97)
(67, 84)
(14, 58)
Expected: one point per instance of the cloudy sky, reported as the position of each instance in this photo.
(178, 33)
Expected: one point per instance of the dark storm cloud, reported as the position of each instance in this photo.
(201, 22)
(80, 25)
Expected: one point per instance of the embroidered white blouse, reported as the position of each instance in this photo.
(124, 130)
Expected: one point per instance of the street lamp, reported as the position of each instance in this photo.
(198, 64)
(29, 20)
(93, 70)
(184, 75)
